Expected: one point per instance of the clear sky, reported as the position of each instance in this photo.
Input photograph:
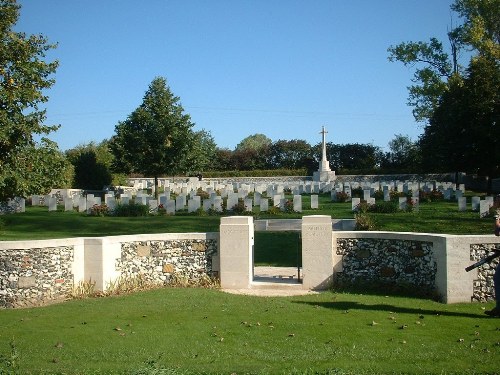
(283, 68)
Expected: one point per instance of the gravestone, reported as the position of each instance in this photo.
(153, 205)
(370, 201)
(256, 198)
(35, 200)
(264, 205)
(170, 206)
(180, 202)
(355, 203)
(68, 204)
(82, 204)
(207, 204)
(276, 200)
(387, 194)
(314, 202)
(52, 204)
(402, 203)
(297, 203)
(218, 204)
(366, 194)
(462, 204)
(475, 203)
(484, 208)
(333, 195)
(490, 200)
(124, 199)
(248, 204)
(192, 205)
(163, 200)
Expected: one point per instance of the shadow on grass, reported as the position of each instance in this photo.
(350, 305)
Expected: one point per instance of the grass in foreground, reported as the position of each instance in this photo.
(190, 331)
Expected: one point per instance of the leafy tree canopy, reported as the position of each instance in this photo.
(255, 142)
(156, 138)
(24, 77)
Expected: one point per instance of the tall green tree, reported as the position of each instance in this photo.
(464, 133)
(92, 165)
(257, 142)
(403, 157)
(352, 157)
(202, 154)
(437, 70)
(156, 138)
(293, 154)
(24, 78)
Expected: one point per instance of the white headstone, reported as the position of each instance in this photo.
(297, 203)
(314, 202)
(52, 204)
(264, 205)
(248, 204)
(35, 200)
(68, 204)
(354, 203)
(170, 207)
(82, 204)
(484, 208)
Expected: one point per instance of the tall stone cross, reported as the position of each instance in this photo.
(324, 165)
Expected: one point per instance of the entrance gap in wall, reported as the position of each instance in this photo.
(277, 256)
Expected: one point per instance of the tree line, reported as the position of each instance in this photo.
(457, 104)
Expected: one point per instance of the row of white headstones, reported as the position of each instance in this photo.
(186, 195)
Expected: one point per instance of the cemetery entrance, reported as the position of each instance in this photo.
(277, 253)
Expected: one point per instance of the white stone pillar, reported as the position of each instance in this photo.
(236, 252)
(317, 252)
(100, 261)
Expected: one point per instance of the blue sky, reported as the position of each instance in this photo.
(240, 67)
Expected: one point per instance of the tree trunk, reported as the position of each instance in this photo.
(156, 187)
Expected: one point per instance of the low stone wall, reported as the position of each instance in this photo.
(380, 261)
(483, 287)
(32, 274)
(35, 272)
(158, 261)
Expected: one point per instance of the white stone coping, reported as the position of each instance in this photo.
(79, 241)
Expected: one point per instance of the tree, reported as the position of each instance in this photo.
(403, 156)
(437, 71)
(481, 27)
(463, 133)
(24, 77)
(224, 160)
(293, 154)
(156, 138)
(351, 156)
(431, 80)
(92, 165)
(201, 157)
(255, 142)
(39, 168)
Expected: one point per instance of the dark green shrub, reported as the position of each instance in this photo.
(384, 207)
(131, 209)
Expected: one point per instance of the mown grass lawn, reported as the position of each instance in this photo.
(191, 331)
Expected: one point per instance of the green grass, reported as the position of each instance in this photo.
(208, 331)
(38, 223)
